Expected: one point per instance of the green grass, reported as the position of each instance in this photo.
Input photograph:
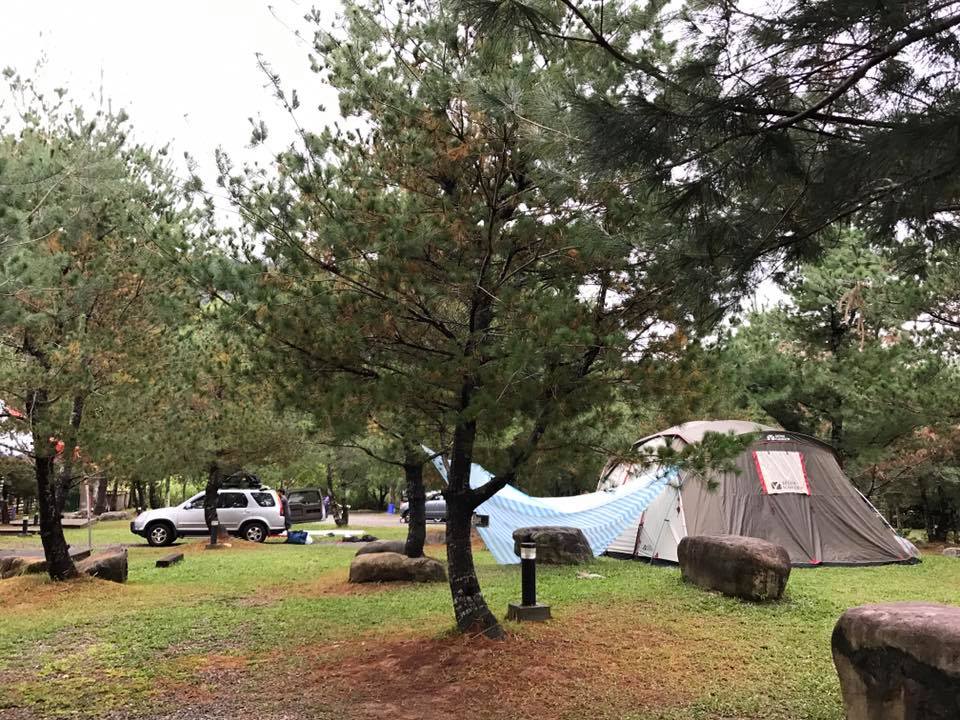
(65, 649)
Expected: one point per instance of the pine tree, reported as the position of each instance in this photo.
(843, 359)
(438, 265)
(81, 209)
(771, 122)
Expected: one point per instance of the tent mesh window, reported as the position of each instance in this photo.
(781, 472)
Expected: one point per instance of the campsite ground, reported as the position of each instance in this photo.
(274, 631)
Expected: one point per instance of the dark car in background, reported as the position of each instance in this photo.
(306, 505)
(436, 508)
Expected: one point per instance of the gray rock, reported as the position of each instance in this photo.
(364, 538)
(382, 546)
(110, 565)
(117, 515)
(394, 567)
(899, 661)
(555, 545)
(12, 566)
(951, 552)
(744, 567)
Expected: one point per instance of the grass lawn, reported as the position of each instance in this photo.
(275, 631)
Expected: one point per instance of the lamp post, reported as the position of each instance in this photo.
(529, 609)
(214, 530)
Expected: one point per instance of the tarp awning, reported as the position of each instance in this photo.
(601, 516)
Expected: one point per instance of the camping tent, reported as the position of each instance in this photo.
(601, 516)
(788, 489)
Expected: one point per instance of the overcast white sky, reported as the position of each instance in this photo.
(186, 71)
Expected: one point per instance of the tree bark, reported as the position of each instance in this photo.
(417, 512)
(154, 494)
(4, 508)
(50, 490)
(382, 492)
(214, 481)
(103, 488)
(469, 607)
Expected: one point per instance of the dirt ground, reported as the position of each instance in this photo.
(555, 670)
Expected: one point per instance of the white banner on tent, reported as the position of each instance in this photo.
(782, 472)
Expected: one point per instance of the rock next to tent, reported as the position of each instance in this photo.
(394, 567)
(744, 567)
(899, 661)
(555, 545)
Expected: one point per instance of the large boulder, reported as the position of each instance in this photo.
(12, 566)
(395, 567)
(744, 567)
(111, 565)
(952, 552)
(382, 546)
(899, 661)
(555, 545)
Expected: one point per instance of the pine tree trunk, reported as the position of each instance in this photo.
(214, 481)
(50, 493)
(417, 511)
(55, 549)
(103, 488)
(4, 508)
(154, 494)
(470, 609)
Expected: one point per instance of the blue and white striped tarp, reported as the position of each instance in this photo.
(601, 516)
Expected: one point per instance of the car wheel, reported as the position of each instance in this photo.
(254, 532)
(160, 534)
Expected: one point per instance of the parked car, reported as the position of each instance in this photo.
(306, 505)
(249, 513)
(436, 508)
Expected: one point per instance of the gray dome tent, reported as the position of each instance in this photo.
(789, 490)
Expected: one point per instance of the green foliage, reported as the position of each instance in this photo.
(844, 361)
(17, 477)
(84, 216)
(767, 125)
(440, 263)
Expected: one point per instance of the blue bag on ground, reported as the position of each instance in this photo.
(297, 537)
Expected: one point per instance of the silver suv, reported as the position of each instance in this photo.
(252, 514)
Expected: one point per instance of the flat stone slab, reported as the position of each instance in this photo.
(899, 661)
(168, 560)
(744, 567)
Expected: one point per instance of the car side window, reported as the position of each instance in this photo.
(196, 504)
(231, 500)
(264, 499)
(296, 497)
